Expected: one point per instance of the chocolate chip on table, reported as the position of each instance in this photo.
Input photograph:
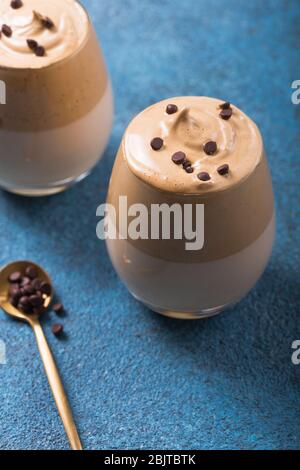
(15, 277)
(226, 114)
(171, 109)
(15, 4)
(225, 105)
(210, 148)
(39, 51)
(58, 308)
(157, 143)
(57, 329)
(45, 288)
(6, 30)
(32, 44)
(223, 169)
(203, 176)
(179, 158)
(31, 272)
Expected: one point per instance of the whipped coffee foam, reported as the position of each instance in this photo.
(70, 28)
(193, 126)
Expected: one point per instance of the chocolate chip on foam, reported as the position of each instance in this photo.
(179, 158)
(225, 105)
(15, 4)
(47, 22)
(6, 30)
(157, 143)
(171, 109)
(203, 176)
(210, 148)
(226, 114)
(39, 51)
(32, 44)
(187, 166)
(223, 169)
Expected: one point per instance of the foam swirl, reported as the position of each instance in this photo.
(70, 29)
(197, 122)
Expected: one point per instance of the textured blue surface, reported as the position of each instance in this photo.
(136, 380)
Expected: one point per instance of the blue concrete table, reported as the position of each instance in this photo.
(135, 379)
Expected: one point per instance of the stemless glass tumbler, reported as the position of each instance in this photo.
(57, 116)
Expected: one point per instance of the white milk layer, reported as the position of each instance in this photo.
(191, 288)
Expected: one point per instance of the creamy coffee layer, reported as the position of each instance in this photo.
(192, 145)
(38, 33)
(234, 218)
(55, 96)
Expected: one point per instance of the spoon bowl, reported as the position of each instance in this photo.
(5, 304)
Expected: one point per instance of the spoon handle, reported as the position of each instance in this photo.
(56, 386)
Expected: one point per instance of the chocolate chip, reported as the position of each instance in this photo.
(46, 288)
(25, 281)
(28, 290)
(157, 143)
(39, 51)
(32, 44)
(223, 169)
(6, 30)
(36, 283)
(14, 300)
(187, 166)
(203, 176)
(179, 158)
(15, 296)
(25, 305)
(226, 114)
(15, 277)
(14, 289)
(225, 105)
(15, 4)
(47, 22)
(210, 148)
(36, 301)
(57, 329)
(171, 109)
(31, 272)
(189, 169)
(58, 308)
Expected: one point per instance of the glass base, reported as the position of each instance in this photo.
(198, 315)
(39, 191)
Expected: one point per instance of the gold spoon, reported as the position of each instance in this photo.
(45, 352)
